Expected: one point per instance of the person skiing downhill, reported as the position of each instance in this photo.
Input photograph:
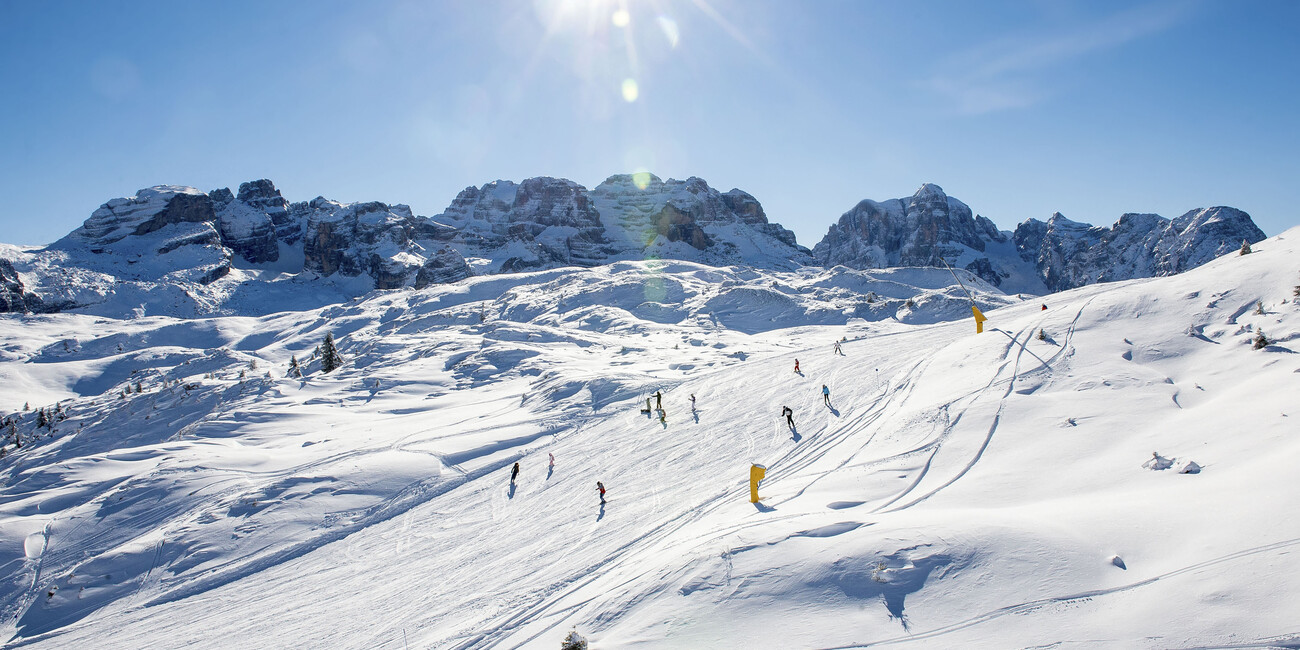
(826, 395)
(789, 416)
(601, 487)
(514, 473)
(796, 365)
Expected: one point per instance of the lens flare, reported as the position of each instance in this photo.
(669, 28)
(630, 90)
(621, 18)
(641, 180)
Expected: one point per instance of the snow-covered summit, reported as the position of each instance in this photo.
(931, 227)
(926, 229)
(1069, 254)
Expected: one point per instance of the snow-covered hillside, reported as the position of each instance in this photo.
(961, 489)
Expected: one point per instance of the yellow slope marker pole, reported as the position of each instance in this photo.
(756, 474)
(979, 316)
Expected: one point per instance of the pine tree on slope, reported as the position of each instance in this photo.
(330, 359)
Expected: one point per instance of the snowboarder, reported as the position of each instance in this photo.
(796, 366)
(692, 402)
(552, 465)
(837, 348)
(789, 416)
(601, 487)
(514, 474)
(826, 395)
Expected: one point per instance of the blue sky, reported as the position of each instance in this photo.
(1019, 109)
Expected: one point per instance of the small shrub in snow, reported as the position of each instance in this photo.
(1245, 247)
(1261, 341)
(1259, 307)
(574, 641)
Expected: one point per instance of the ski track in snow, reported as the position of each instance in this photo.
(1022, 608)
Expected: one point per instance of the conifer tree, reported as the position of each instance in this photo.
(330, 358)
(27, 406)
(41, 419)
(294, 370)
(1261, 341)
(1245, 247)
(1259, 306)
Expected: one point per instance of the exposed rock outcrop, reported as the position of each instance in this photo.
(1069, 254)
(925, 230)
(931, 228)
(12, 298)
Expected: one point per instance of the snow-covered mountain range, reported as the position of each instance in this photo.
(178, 485)
(931, 227)
(179, 251)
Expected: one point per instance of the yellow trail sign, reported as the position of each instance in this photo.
(756, 474)
(979, 319)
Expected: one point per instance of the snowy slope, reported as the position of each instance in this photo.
(964, 489)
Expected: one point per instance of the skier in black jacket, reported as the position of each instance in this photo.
(789, 416)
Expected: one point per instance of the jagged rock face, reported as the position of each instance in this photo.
(245, 227)
(351, 239)
(12, 298)
(919, 231)
(539, 223)
(645, 216)
(925, 230)
(262, 196)
(149, 210)
(1069, 254)
(444, 266)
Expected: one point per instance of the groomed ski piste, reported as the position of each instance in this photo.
(962, 490)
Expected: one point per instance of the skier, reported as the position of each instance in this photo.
(601, 486)
(514, 473)
(796, 366)
(663, 417)
(659, 400)
(692, 402)
(647, 405)
(789, 416)
(826, 395)
(552, 466)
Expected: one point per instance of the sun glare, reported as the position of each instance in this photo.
(630, 90)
